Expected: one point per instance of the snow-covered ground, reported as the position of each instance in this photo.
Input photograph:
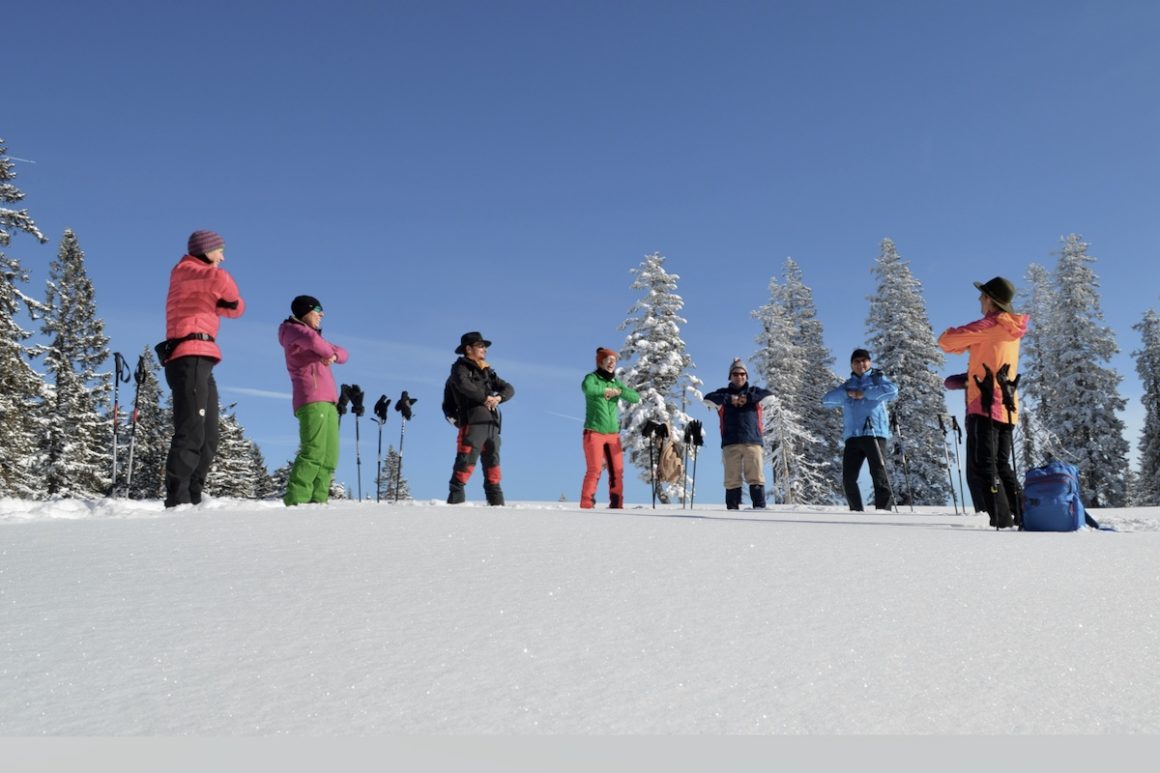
(243, 618)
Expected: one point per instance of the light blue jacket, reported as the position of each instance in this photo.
(877, 390)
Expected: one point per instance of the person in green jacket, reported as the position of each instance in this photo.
(602, 429)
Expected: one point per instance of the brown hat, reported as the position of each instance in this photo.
(1000, 290)
(467, 339)
(602, 354)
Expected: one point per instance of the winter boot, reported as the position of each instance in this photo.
(456, 496)
(494, 495)
(733, 499)
(757, 496)
(614, 502)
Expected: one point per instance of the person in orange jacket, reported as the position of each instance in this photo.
(200, 293)
(993, 346)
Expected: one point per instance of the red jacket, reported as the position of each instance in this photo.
(195, 288)
(992, 341)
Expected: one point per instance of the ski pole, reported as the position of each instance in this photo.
(380, 411)
(139, 377)
(958, 463)
(868, 427)
(901, 448)
(693, 433)
(356, 407)
(121, 376)
(1008, 386)
(403, 406)
(947, 452)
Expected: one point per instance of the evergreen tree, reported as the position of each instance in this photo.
(232, 472)
(22, 390)
(1036, 379)
(1147, 482)
(903, 344)
(391, 469)
(147, 432)
(822, 437)
(1087, 398)
(278, 480)
(263, 485)
(658, 366)
(799, 476)
(76, 444)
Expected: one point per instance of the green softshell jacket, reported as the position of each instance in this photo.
(600, 412)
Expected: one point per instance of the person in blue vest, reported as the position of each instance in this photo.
(865, 427)
(738, 406)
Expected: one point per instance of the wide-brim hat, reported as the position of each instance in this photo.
(467, 339)
(1000, 290)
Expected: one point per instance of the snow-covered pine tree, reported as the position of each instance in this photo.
(263, 487)
(903, 345)
(279, 478)
(22, 390)
(1147, 483)
(148, 434)
(77, 441)
(657, 365)
(387, 488)
(822, 426)
(1035, 382)
(232, 472)
(798, 476)
(1086, 399)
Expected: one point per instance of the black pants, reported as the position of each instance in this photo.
(477, 442)
(195, 428)
(873, 450)
(989, 471)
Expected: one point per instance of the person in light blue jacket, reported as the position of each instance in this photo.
(866, 428)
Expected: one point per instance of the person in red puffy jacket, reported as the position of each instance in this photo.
(200, 293)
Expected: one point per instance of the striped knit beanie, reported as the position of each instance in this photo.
(202, 242)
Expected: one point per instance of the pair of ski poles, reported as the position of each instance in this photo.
(122, 376)
(958, 432)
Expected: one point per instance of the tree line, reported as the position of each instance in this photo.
(1068, 389)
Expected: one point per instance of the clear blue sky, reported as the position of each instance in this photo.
(431, 168)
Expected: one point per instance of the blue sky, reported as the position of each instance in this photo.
(431, 168)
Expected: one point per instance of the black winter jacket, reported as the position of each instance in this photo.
(470, 386)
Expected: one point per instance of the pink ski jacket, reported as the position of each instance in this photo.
(306, 350)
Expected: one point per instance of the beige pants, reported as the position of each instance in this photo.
(743, 459)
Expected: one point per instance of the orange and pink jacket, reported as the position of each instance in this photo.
(195, 289)
(992, 341)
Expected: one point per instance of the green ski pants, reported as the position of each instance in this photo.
(317, 454)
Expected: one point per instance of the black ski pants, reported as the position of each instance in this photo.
(989, 471)
(195, 428)
(864, 448)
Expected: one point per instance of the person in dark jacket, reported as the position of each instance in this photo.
(738, 407)
(477, 392)
(200, 293)
(866, 428)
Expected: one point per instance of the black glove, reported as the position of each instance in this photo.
(343, 398)
(224, 304)
(356, 400)
(381, 408)
(693, 433)
(403, 406)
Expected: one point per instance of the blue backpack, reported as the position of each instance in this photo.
(1051, 498)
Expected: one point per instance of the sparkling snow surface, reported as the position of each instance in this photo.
(243, 618)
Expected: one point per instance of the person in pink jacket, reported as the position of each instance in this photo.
(993, 345)
(309, 358)
(200, 294)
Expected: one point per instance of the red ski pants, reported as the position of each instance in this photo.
(603, 450)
